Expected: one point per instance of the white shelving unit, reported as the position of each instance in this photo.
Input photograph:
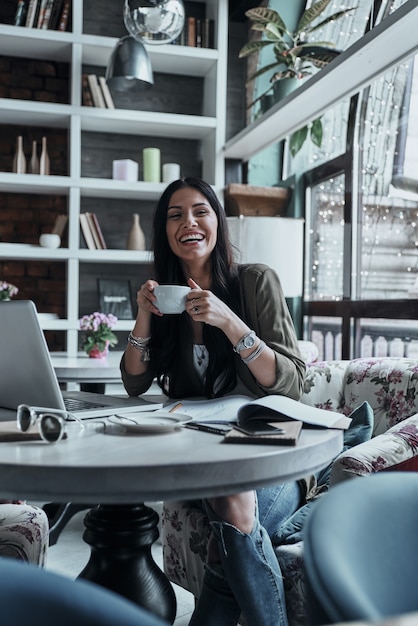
(78, 49)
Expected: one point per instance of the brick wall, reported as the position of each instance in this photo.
(23, 217)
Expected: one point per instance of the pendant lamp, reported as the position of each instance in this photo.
(154, 21)
(129, 65)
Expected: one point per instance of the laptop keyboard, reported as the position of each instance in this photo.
(73, 404)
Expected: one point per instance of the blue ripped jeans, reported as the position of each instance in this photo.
(248, 580)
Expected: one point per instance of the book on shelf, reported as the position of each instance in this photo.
(47, 14)
(21, 13)
(208, 33)
(266, 418)
(65, 16)
(96, 231)
(41, 14)
(30, 15)
(55, 14)
(85, 228)
(86, 96)
(60, 224)
(96, 92)
(106, 93)
(191, 31)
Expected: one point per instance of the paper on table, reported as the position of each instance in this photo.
(221, 409)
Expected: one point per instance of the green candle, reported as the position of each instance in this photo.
(152, 167)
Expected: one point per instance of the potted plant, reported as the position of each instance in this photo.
(295, 56)
(7, 291)
(98, 333)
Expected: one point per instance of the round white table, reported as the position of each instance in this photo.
(116, 470)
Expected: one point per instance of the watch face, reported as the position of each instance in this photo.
(249, 341)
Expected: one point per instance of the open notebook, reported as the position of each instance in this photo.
(28, 377)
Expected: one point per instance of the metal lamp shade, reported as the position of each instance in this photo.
(129, 65)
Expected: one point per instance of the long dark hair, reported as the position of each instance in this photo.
(170, 331)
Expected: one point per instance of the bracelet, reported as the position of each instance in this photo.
(256, 353)
(143, 340)
(142, 346)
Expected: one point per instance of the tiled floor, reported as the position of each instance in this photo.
(70, 554)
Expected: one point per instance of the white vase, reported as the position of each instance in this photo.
(44, 162)
(34, 161)
(136, 237)
(19, 161)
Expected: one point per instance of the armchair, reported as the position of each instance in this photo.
(23, 532)
(390, 386)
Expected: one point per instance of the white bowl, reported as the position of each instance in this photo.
(50, 240)
(171, 298)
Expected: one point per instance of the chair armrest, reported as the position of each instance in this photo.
(386, 451)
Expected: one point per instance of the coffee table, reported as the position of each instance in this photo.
(119, 472)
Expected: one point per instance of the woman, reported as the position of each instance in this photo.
(236, 336)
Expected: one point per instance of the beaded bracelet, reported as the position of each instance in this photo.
(256, 353)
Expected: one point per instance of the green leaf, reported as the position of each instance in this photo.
(263, 14)
(333, 17)
(316, 132)
(253, 46)
(297, 140)
(311, 14)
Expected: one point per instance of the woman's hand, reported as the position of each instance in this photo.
(203, 306)
(145, 298)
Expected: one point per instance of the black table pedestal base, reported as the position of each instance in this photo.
(120, 537)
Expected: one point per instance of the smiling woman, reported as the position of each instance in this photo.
(234, 337)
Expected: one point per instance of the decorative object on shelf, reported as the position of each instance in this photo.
(7, 291)
(171, 171)
(252, 200)
(155, 21)
(136, 237)
(125, 169)
(151, 158)
(34, 161)
(98, 334)
(50, 240)
(282, 247)
(296, 58)
(19, 161)
(115, 297)
(44, 167)
(129, 65)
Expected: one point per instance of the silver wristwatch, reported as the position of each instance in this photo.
(247, 341)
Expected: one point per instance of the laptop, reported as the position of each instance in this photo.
(28, 377)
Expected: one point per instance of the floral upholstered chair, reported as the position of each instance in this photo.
(390, 386)
(23, 532)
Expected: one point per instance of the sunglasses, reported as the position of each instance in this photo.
(50, 422)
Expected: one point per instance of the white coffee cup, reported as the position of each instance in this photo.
(171, 298)
(50, 240)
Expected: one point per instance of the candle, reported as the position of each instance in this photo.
(171, 171)
(151, 159)
(125, 169)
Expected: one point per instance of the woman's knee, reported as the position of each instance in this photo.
(239, 510)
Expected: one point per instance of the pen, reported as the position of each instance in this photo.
(207, 428)
(175, 407)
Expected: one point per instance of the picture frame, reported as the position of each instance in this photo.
(115, 297)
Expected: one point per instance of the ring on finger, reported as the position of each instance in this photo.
(196, 309)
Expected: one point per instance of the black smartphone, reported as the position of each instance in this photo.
(260, 429)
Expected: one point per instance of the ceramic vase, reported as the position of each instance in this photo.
(136, 237)
(19, 161)
(44, 162)
(34, 161)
